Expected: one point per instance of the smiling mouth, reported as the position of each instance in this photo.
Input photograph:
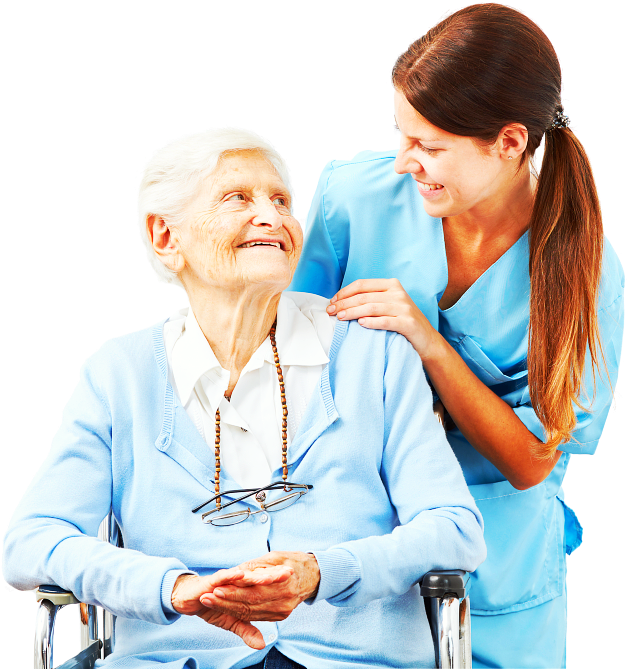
(430, 186)
(249, 245)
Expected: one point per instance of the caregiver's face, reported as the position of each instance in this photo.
(239, 230)
(453, 173)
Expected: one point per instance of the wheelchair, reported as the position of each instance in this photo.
(445, 595)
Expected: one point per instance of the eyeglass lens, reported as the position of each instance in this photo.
(240, 516)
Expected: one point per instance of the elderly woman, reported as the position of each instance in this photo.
(320, 484)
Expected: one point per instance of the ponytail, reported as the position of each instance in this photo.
(566, 241)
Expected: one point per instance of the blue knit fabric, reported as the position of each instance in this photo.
(389, 503)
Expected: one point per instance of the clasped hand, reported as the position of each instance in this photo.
(267, 588)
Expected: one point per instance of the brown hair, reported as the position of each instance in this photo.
(480, 69)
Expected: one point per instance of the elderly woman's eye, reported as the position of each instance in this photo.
(236, 196)
(281, 201)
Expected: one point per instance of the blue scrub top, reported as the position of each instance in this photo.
(366, 221)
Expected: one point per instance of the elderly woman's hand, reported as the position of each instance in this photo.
(383, 304)
(271, 601)
(190, 589)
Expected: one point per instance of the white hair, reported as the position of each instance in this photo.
(173, 175)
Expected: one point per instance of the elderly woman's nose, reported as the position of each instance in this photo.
(267, 214)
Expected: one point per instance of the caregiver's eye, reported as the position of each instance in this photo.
(235, 197)
(426, 149)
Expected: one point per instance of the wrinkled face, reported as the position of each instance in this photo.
(454, 174)
(238, 230)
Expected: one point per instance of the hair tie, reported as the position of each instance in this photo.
(560, 120)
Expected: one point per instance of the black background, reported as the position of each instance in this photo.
(95, 103)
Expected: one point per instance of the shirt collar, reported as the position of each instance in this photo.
(192, 357)
(296, 337)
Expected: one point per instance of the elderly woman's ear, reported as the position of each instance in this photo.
(165, 243)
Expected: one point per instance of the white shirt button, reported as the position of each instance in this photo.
(271, 638)
(263, 518)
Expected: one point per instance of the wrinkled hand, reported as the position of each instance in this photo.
(271, 601)
(383, 304)
(189, 590)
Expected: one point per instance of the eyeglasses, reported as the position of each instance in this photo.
(294, 492)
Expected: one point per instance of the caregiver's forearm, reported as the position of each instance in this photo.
(488, 423)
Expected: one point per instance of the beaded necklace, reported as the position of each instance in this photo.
(285, 413)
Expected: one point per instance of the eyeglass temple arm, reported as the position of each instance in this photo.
(227, 492)
(249, 492)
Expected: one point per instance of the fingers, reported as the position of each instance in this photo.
(223, 576)
(265, 576)
(273, 558)
(385, 291)
(244, 577)
(371, 310)
(250, 634)
(248, 605)
(364, 286)
(252, 591)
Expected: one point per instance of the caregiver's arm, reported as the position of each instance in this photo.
(488, 423)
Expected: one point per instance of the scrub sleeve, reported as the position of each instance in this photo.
(368, 222)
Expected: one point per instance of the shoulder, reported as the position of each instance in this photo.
(365, 160)
(366, 173)
(130, 355)
(391, 348)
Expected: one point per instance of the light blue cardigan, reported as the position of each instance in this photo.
(389, 503)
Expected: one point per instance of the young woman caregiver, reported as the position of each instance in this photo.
(504, 284)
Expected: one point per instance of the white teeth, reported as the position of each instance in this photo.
(250, 244)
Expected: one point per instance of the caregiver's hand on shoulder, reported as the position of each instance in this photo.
(268, 601)
(383, 304)
(190, 589)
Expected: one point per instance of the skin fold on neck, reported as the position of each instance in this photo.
(235, 323)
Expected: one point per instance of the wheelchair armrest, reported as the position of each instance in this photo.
(439, 583)
(58, 596)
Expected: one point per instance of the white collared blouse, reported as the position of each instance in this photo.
(251, 421)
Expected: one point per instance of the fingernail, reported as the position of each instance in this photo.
(330, 308)
(333, 299)
(341, 314)
(218, 593)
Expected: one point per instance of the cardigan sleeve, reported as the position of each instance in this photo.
(52, 536)
(440, 525)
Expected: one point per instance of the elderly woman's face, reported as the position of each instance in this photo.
(239, 230)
